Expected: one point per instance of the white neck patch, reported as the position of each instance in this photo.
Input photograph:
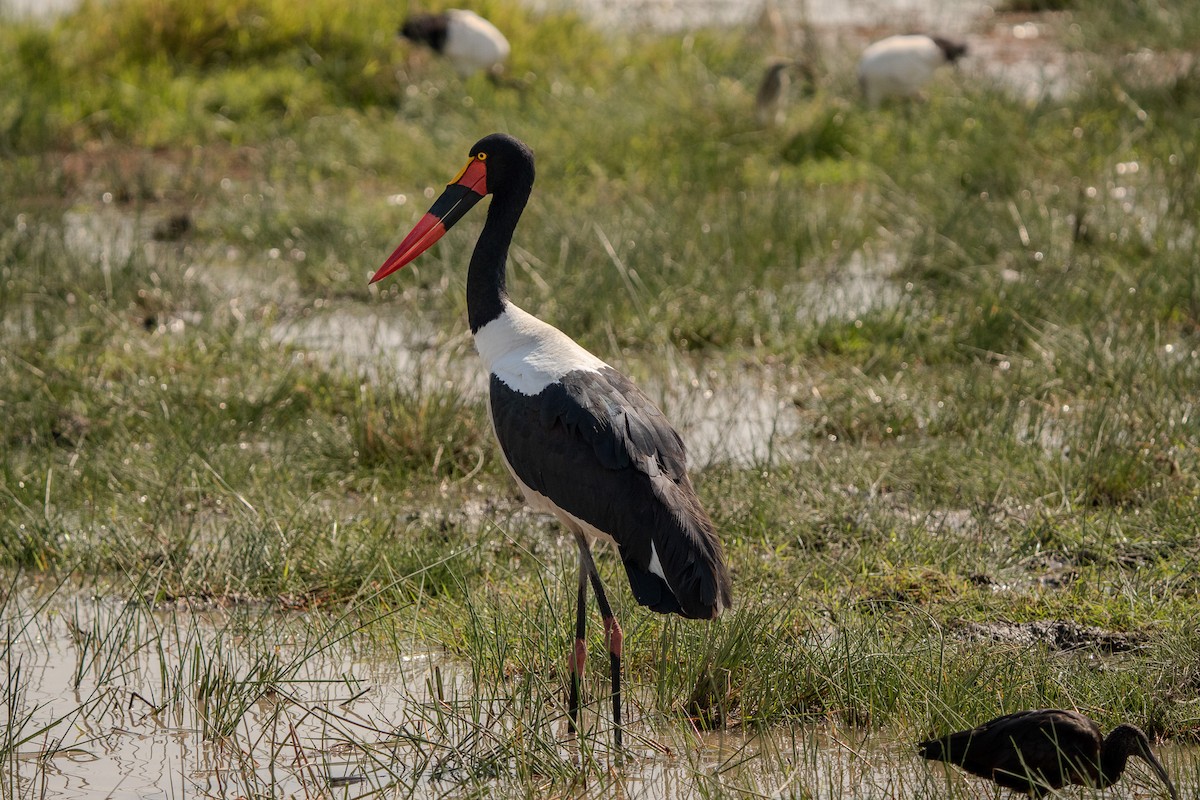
(528, 354)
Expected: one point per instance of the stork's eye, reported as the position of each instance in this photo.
(481, 156)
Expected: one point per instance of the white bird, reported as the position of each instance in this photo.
(465, 39)
(900, 66)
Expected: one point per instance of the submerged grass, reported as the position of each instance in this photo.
(984, 313)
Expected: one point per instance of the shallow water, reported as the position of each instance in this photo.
(120, 700)
(339, 718)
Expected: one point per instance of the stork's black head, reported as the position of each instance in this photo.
(509, 163)
(500, 166)
(429, 29)
(951, 49)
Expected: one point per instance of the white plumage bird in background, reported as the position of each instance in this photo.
(900, 66)
(465, 39)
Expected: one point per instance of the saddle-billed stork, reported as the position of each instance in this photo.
(900, 66)
(465, 39)
(1038, 751)
(582, 442)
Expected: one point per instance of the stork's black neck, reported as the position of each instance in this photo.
(486, 292)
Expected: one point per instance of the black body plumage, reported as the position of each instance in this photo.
(596, 447)
(580, 438)
(1044, 749)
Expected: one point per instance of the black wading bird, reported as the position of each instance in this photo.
(581, 440)
(1037, 751)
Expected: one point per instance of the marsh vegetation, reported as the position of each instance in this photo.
(251, 513)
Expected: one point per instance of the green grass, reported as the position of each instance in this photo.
(996, 421)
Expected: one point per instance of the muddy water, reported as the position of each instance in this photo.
(118, 700)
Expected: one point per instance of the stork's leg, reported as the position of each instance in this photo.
(613, 637)
(579, 652)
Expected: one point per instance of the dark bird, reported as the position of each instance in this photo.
(772, 96)
(1037, 751)
(772, 92)
(465, 39)
(583, 443)
(173, 228)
